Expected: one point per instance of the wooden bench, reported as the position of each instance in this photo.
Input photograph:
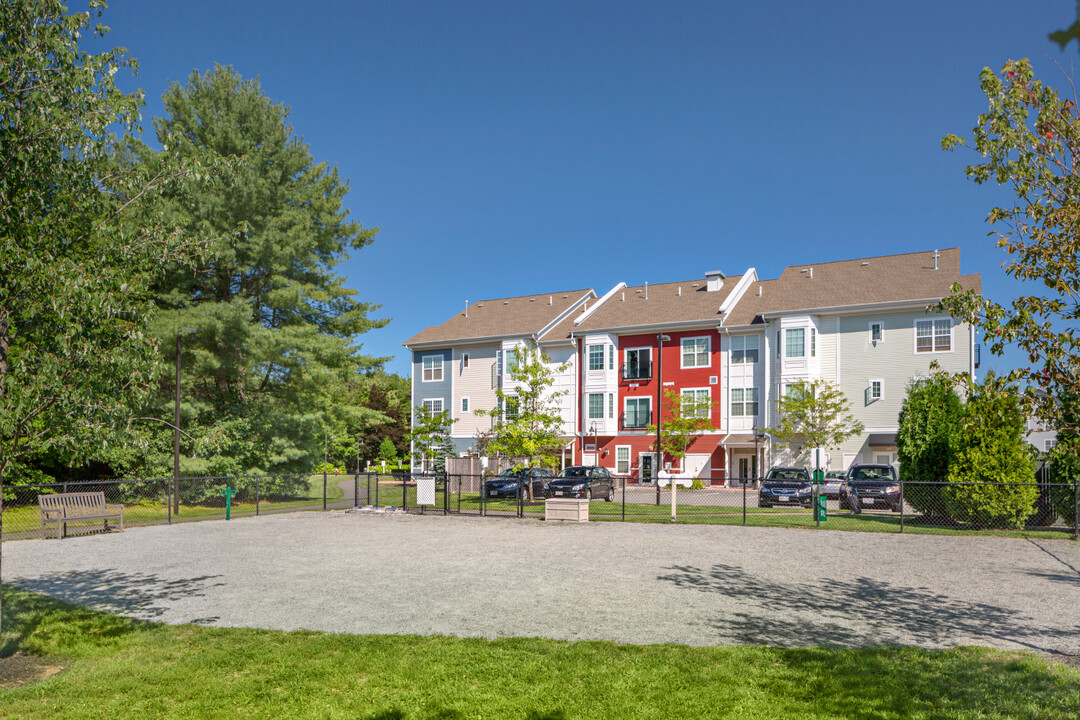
(64, 508)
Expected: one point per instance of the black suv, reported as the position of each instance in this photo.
(870, 485)
(582, 481)
(786, 486)
(509, 482)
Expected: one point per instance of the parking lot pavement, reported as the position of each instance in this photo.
(357, 572)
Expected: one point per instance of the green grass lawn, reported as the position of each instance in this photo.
(27, 519)
(123, 668)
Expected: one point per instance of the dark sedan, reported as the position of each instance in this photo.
(582, 481)
(786, 486)
(510, 482)
(870, 486)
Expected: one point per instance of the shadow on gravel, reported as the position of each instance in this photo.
(144, 595)
(859, 613)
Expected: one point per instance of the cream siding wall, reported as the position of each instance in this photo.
(475, 384)
(565, 382)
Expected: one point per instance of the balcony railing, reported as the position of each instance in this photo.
(636, 420)
(637, 371)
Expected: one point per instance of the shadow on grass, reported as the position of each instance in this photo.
(859, 613)
(27, 614)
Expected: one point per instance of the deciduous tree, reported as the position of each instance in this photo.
(814, 414)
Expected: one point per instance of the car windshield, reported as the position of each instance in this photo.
(787, 475)
(872, 473)
(575, 472)
(833, 475)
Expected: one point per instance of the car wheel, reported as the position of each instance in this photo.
(588, 494)
(895, 508)
(610, 494)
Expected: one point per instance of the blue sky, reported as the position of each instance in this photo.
(510, 148)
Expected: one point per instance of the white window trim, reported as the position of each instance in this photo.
(708, 352)
(432, 411)
(870, 332)
(464, 361)
(881, 383)
(708, 396)
(637, 399)
(932, 350)
(1048, 444)
(805, 344)
(744, 402)
(588, 405)
(465, 404)
(742, 340)
(629, 458)
(588, 357)
(423, 360)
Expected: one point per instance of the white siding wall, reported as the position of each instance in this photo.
(565, 382)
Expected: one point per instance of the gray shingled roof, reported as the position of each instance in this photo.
(517, 316)
(666, 303)
(888, 278)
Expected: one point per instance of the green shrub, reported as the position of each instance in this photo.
(991, 449)
(1064, 463)
(928, 429)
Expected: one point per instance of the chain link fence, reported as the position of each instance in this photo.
(1036, 508)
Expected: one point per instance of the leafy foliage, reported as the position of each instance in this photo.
(814, 414)
(685, 419)
(1029, 139)
(991, 449)
(273, 355)
(929, 426)
(527, 421)
(430, 438)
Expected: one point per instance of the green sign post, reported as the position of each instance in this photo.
(820, 498)
(227, 492)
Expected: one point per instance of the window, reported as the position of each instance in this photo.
(876, 333)
(432, 368)
(465, 361)
(795, 390)
(638, 364)
(778, 344)
(512, 360)
(433, 407)
(695, 403)
(1048, 445)
(795, 343)
(596, 357)
(610, 357)
(695, 352)
(596, 406)
(744, 349)
(813, 342)
(622, 459)
(877, 390)
(510, 409)
(744, 402)
(636, 413)
(933, 336)
(611, 405)
(464, 405)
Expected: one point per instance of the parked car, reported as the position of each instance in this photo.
(833, 480)
(509, 482)
(786, 486)
(582, 481)
(870, 486)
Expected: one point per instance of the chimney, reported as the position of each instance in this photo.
(714, 280)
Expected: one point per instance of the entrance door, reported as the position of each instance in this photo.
(747, 467)
(646, 463)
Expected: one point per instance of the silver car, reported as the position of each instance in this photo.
(833, 480)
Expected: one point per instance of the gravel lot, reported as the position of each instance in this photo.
(355, 572)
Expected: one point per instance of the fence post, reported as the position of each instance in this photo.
(376, 490)
(901, 506)
(623, 482)
(1076, 508)
(356, 487)
(168, 496)
(405, 491)
(744, 502)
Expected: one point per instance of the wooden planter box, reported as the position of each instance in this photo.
(569, 509)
